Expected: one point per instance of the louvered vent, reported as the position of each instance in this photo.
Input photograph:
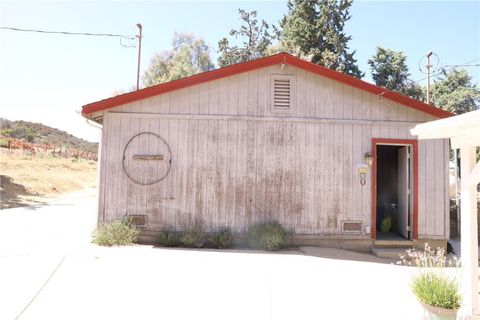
(352, 226)
(281, 94)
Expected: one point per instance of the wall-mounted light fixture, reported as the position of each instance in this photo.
(368, 158)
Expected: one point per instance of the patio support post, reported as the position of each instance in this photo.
(469, 234)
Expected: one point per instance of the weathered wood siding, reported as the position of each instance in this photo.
(235, 162)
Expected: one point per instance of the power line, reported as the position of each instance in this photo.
(70, 33)
(450, 67)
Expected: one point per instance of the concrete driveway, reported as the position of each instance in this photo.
(49, 270)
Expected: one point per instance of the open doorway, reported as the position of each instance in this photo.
(394, 192)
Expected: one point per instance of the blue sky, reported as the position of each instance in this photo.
(47, 78)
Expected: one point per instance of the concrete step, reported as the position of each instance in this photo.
(407, 244)
(389, 253)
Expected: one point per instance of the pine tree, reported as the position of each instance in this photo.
(389, 70)
(314, 29)
(455, 92)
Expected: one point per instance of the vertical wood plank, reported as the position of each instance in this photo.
(300, 94)
(320, 174)
(152, 190)
(191, 172)
(233, 96)
(310, 143)
(223, 97)
(250, 176)
(355, 208)
(439, 186)
(241, 185)
(310, 103)
(211, 199)
(347, 188)
(347, 93)
(329, 99)
(194, 100)
(430, 188)
(290, 178)
(338, 174)
(260, 169)
(280, 171)
(329, 216)
(172, 176)
(300, 180)
(213, 97)
(252, 93)
(181, 179)
(201, 173)
(262, 93)
(366, 190)
(269, 187)
(231, 175)
(319, 90)
(220, 216)
(121, 196)
(204, 98)
(131, 186)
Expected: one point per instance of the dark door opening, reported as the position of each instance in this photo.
(394, 192)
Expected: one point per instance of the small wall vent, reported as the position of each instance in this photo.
(140, 221)
(352, 226)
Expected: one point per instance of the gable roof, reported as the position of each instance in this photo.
(279, 58)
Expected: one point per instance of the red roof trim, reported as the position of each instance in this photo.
(257, 64)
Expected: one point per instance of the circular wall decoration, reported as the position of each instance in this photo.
(146, 158)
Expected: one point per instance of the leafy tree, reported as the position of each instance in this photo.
(314, 29)
(189, 56)
(389, 70)
(455, 92)
(255, 40)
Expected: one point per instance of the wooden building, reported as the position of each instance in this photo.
(328, 156)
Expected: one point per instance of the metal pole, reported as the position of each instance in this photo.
(139, 36)
(428, 76)
(457, 192)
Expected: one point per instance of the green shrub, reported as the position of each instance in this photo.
(193, 237)
(267, 236)
(168, 239)
(222, 239)
(437, 290)
(116, 233)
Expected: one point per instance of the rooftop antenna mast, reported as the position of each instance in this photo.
(139, 36)
(428, 66)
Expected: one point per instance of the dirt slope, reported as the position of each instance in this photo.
(28, 180)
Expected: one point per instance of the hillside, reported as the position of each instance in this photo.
(38, 162)
(41, 134)
(27, 180)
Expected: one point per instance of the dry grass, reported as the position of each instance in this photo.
(26, 180)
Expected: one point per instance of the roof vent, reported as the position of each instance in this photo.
(282, 93)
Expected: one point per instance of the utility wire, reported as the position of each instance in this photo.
(70, 33)
(449, 67)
